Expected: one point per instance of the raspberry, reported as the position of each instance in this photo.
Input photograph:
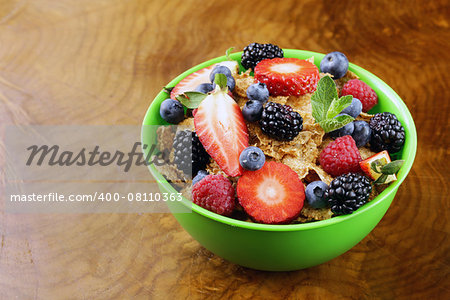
(340, 157)
(359, 89)
(214, 193)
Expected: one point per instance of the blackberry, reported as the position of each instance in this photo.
(254, 53)
(189, 154)
(280, 121)
(387, 133)
(347, 193)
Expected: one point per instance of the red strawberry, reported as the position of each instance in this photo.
(190, 82)
(340, 157)
(193, 80)
(383, 158)
(273, 194)
(287, 76)
(359, 89)
(221, 129)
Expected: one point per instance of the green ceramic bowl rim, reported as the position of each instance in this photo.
(409, 150)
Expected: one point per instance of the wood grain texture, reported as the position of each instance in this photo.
(103, 61)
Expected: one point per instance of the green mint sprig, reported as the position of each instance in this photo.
(193, 99)
(221, 80)
(326, 105)
(168, 89)
(385, 169)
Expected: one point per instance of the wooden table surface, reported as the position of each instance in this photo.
(103, 61)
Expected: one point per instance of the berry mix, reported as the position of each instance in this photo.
(283, 142)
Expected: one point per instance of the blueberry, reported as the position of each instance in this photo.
(252, 110)
(252, 158)
(171, 111)
(361, 134)
(354, 109)
(221, 70)
(258, 91)
(204, 88)
(315, 194)
(200, 175)
(346, 130)
(231, 83)
(335, 63)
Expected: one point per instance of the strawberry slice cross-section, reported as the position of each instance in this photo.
(190, 82)
(287, 76)
(272, 195)
(222, 131)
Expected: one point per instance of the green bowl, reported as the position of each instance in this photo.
(298, 246)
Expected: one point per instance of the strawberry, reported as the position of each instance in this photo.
(221, 129)
(190, 82)
(287, 76)
(273, 194)
(232, 65)
(382, 158)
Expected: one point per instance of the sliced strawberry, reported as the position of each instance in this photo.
(221, 129)
(273, 195)
(287, 76)
(193, 80)
(383, 159)
(190, 82)
(232, 65)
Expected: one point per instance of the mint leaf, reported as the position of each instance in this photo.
(168, 90)
(227, 53)
(373, 166)
(338, 105)
(221, 80)
(326, 105)
(392, 168)
(191, 99)
(381, 179)
(335, 123)
(323, 96)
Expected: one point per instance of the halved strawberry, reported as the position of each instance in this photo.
(287, 76)
(190, 82)
(383, 158)
(232, 65)
(273, 194)
(222, 131)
